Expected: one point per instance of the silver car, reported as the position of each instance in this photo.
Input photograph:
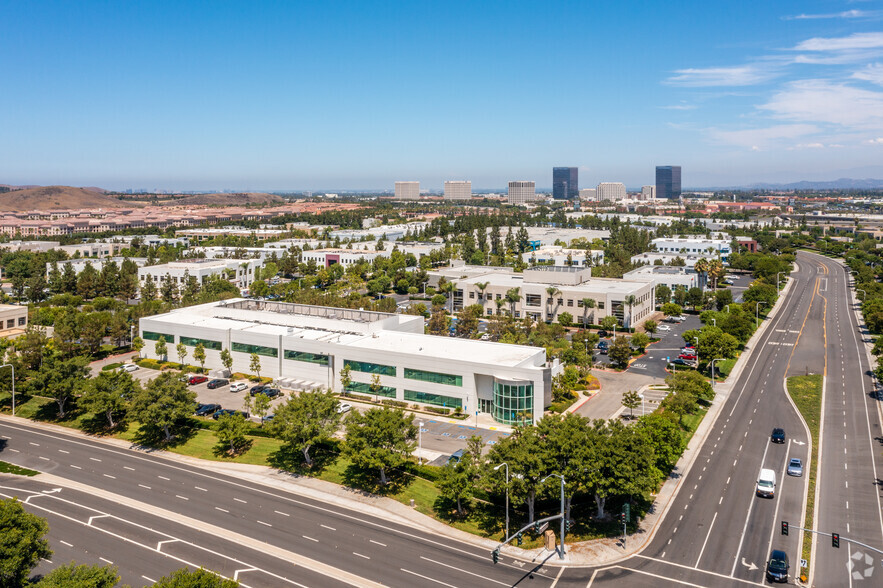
(795, 467)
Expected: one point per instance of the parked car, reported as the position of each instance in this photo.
(255, 389)
(485, 337)
(238, 386)
(268, 418)
(230, 411)
(777, 566)
(129, 367)
(663, 328)
(271, 392)
(688, 349)
(194, 380)
(728, 282)
(778, 435)
(344, 407)
(207, 409)
(217, 383)
(687, 356)
(456, 456)
(683, 362)
(603, 347)
(682, 318)
(602, 333)
(795, 467)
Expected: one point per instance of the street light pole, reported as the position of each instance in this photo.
(560, 553)
(507, 494)
(12, 367)
(712, 370)
(777, 280)
(697, 352)
(714, 320)
(757, 314)
(419, 442)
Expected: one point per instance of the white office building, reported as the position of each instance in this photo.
(661, 275)
(522, 192)
(588, 194)
(306, 347)
(241, 272)
(458, 190)
(611, 191)
(709, 248)
(407, 190)
(564, 257)
(666, 258)
(78, 265)
(648, 192)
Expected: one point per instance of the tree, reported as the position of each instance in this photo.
(665, 438)
(375, 386)
(168, 290)
(650, 326)
(631, 400)
(565, 319)
(622, 464)
(680, 295)
(525, 452)
(695, 297)
(714, 343)
(87, 282)
(455, 481)
(60, 378)
(380, 438)
(22, 544)
(182, 353)
(630, 302)
(163, 403)
(261, 406)
(345, 378)
(722, 298)
(199, 355)
(80, 576)
(609, 322)
(671, 309)
(138, 344)
(438, 320)
(640, 340)
(108, 393)
(161, 349)
(306, 420)
(587, 304)
(620, 351)
(227, 360)
(663, 294)
(232, 429)
(467, 320)
(569, 448)
(184, 578)
(513, 297)
(255, 364)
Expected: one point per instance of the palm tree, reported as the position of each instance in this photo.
(481, 288)
(715, 272)
(630, 301)
(500, 304)
(513, 297)
(701, 267)
(551, 291)
(587, 304)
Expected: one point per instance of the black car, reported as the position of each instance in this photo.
(217, 383)
(229, 411)
(778, 435)
(603, 347)
(206, 409)
(271, 392)
(683, 362)
(602, 333)
(777, 566)
(259, 388)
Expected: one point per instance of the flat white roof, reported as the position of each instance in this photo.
(432, 346)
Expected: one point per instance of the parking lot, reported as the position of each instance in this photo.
(449, 437)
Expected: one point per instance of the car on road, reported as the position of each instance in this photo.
(344, 407)
(194, 380)
(217, 383)
(663, 328)
(129, 367)
(238, 386)
(795, 467)
(778, 435)
(777, 566)
(683, 362)
(766, 483)
(255, 389)
(207, 409)
(219, 413)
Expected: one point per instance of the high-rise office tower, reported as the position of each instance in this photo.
(565, 183)
(522, 192)
(668, 181)
(407, 190)
(458, 190)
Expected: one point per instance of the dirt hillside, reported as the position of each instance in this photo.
(62, 197)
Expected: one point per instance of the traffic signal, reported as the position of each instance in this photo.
(835, 540)
(622, 518)
(520, 538)
(495, 554)
(567, 525)
(536, 528)
(627, 508)
(784, 527)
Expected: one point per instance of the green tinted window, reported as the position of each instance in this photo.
(207, 343)
(434, 377)
(151, 336)
(437, 399)
(362, 388)
(259, 349)
(316, 358)
(370, 368)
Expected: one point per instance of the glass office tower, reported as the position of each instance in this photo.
(668, 181)
(565, 183)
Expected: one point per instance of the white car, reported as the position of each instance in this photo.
(129, 367)
(663, 328)
(344, 407)
(238, 386)
(485, 337)
(682, 318)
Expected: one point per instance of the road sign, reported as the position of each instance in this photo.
(803, 563)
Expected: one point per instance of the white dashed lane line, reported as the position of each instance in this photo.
(327, 527)
(164, 478)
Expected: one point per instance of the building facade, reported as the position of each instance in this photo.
(668, 181)
(306, 347)
(407, 190)
(709, 248)
(565, 183)
(458, 190)
(241, 272)
(13, 319)
(588, 194)
(611, 191)
(648, 192)
(522, 192)
(673, 277)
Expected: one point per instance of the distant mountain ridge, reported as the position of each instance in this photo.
(58, 197)
(839, 184)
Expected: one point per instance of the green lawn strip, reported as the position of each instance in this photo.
(8, 468)
(806, 392)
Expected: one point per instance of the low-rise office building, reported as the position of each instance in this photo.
(561, 256)
(241, 272)
(78, 265)
(709, 248)
(13, 320)
(306, 347)
(661, 258)
(662, 275)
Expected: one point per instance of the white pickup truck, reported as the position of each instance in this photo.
(766, 483)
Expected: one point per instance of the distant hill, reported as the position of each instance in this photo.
(227, 199)
(63, 197)
(839, 184)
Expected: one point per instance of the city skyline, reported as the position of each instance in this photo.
(302, 96)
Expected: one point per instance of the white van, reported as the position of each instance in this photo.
(766, 483)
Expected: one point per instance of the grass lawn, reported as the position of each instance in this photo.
(723, 368)
(806, 391)
(8, 468)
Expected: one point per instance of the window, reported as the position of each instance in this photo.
(437, 399)
(307, 357)
(472, 296)
(570, 303)
(363, 388)
(10, 323)
(259, 349)
(533, 299)
(513, 403)
(22, 320)
(433, 377)
(370, 368)
(152, 336)
(600, 305)
(207, 343)
(560, 301)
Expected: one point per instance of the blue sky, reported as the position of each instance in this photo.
(346, 95)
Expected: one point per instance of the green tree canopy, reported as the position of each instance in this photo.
(305, 420)
(163, 403)
(108, 393)
(80, 576)
(232, 429)
(60, 378)
(21, 543)
(380, 438)
(184, 578)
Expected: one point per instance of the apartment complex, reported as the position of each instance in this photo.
(588, 194)
(522, 192)
(407, 190)
(306, 347)
(458, 190)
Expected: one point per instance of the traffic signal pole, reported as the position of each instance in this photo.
(836, 538)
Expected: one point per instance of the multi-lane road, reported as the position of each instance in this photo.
(149, 514)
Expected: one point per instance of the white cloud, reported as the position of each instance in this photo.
(680, 107)
(822, 101)
(871, 73)
(844, 14)
(852, 42)
(742, 75)
(759, 139)
(877, 141)
(807, 146)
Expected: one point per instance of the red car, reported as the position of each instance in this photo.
(194, 380)
(687, 357)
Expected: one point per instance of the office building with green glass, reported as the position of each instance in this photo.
(305, 347)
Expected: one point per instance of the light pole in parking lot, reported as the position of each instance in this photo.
(559, 476)
(712, 370)
(757, 314)
(419, 442)
(697, 352)
(507, 494)
(12, 367)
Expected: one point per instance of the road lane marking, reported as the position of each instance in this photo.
(181, 497)
(221, 509)
(704, 543)
(240, 500)
(310, 538)
(164, 478)
(377, 542)
(43, 458)
(360, 555)
(750, 508)
(329, 528)
(263, 523)
(34, 444)
(143, 486)
(94, 459)
(198, 488)
(13, 450)
(69, 545)
(63, 451)
(128, 468)
(106, 560)
(460, 569)
(109, 476)
(76, 467)
(427, 578)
